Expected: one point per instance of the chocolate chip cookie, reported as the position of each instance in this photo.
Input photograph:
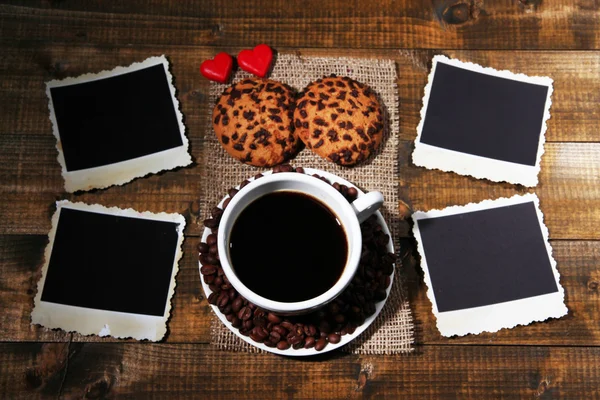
(253, 121)
(340, 119)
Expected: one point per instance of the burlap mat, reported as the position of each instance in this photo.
(393, 330)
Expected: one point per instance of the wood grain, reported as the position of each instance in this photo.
(467, 24)
(43, 40)
(578, 264)
(31, 175)
(21, 259)
(569, 188)
(24, 105)
(140, 370)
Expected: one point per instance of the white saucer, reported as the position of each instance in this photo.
(345, 338)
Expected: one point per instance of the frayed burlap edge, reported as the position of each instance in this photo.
(393, 330)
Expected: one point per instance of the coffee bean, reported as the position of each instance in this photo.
(270, 343)
(226, 202)
(333, 308)
(237, 304)
(222, 300)
(212, 298)
(298, 345)
(310, 342)
(352, 193)
(283, 345)
(280, 330)
(310, 330)
(211, 239)
(216, 212)
(273, 318)
(339, 318)
(324, 326)
(202, 247)
(213, 250)
(211, 259)
(218, 281)
(344, 190)
(333, 338)
(208, 269)
(293, 339)
(320, 344)
(231, 292)
(300, 170)
(247, 324)
(274, 336)
(244, 183)
(259, 320)
(287, 325)
(351, 328)
(226, 310)
(210, 223)
(208, 279)
(245, 313)
(258, 334)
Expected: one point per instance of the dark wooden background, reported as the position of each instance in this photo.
(49, 39)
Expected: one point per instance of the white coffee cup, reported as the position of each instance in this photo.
(350, 215)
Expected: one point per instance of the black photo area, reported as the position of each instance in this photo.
(111, 263)
(486, 257)
(484, 115)
(116, 119)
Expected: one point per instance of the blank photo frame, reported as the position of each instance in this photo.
(482, 122)
(109, 271)
(488, 266)
(117, 125)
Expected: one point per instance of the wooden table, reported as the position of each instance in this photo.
(43, 40)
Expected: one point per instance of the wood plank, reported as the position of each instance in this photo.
(198, 371)
(569, 188)
(575, 116)
(578, 264)
(24, 106)
(32, 370)
(382, 24)
(20, 268)
(21, 258)
(32, 182)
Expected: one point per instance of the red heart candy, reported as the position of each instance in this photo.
(217, 69)
(257, 61)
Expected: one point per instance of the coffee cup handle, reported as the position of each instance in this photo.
(364, 206)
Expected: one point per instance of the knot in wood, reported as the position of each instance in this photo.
(457, 14)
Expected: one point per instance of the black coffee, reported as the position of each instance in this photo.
(288, 246)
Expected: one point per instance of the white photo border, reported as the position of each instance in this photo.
(89, 321)
(492, 318)
(433, 157)
(121, 172)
